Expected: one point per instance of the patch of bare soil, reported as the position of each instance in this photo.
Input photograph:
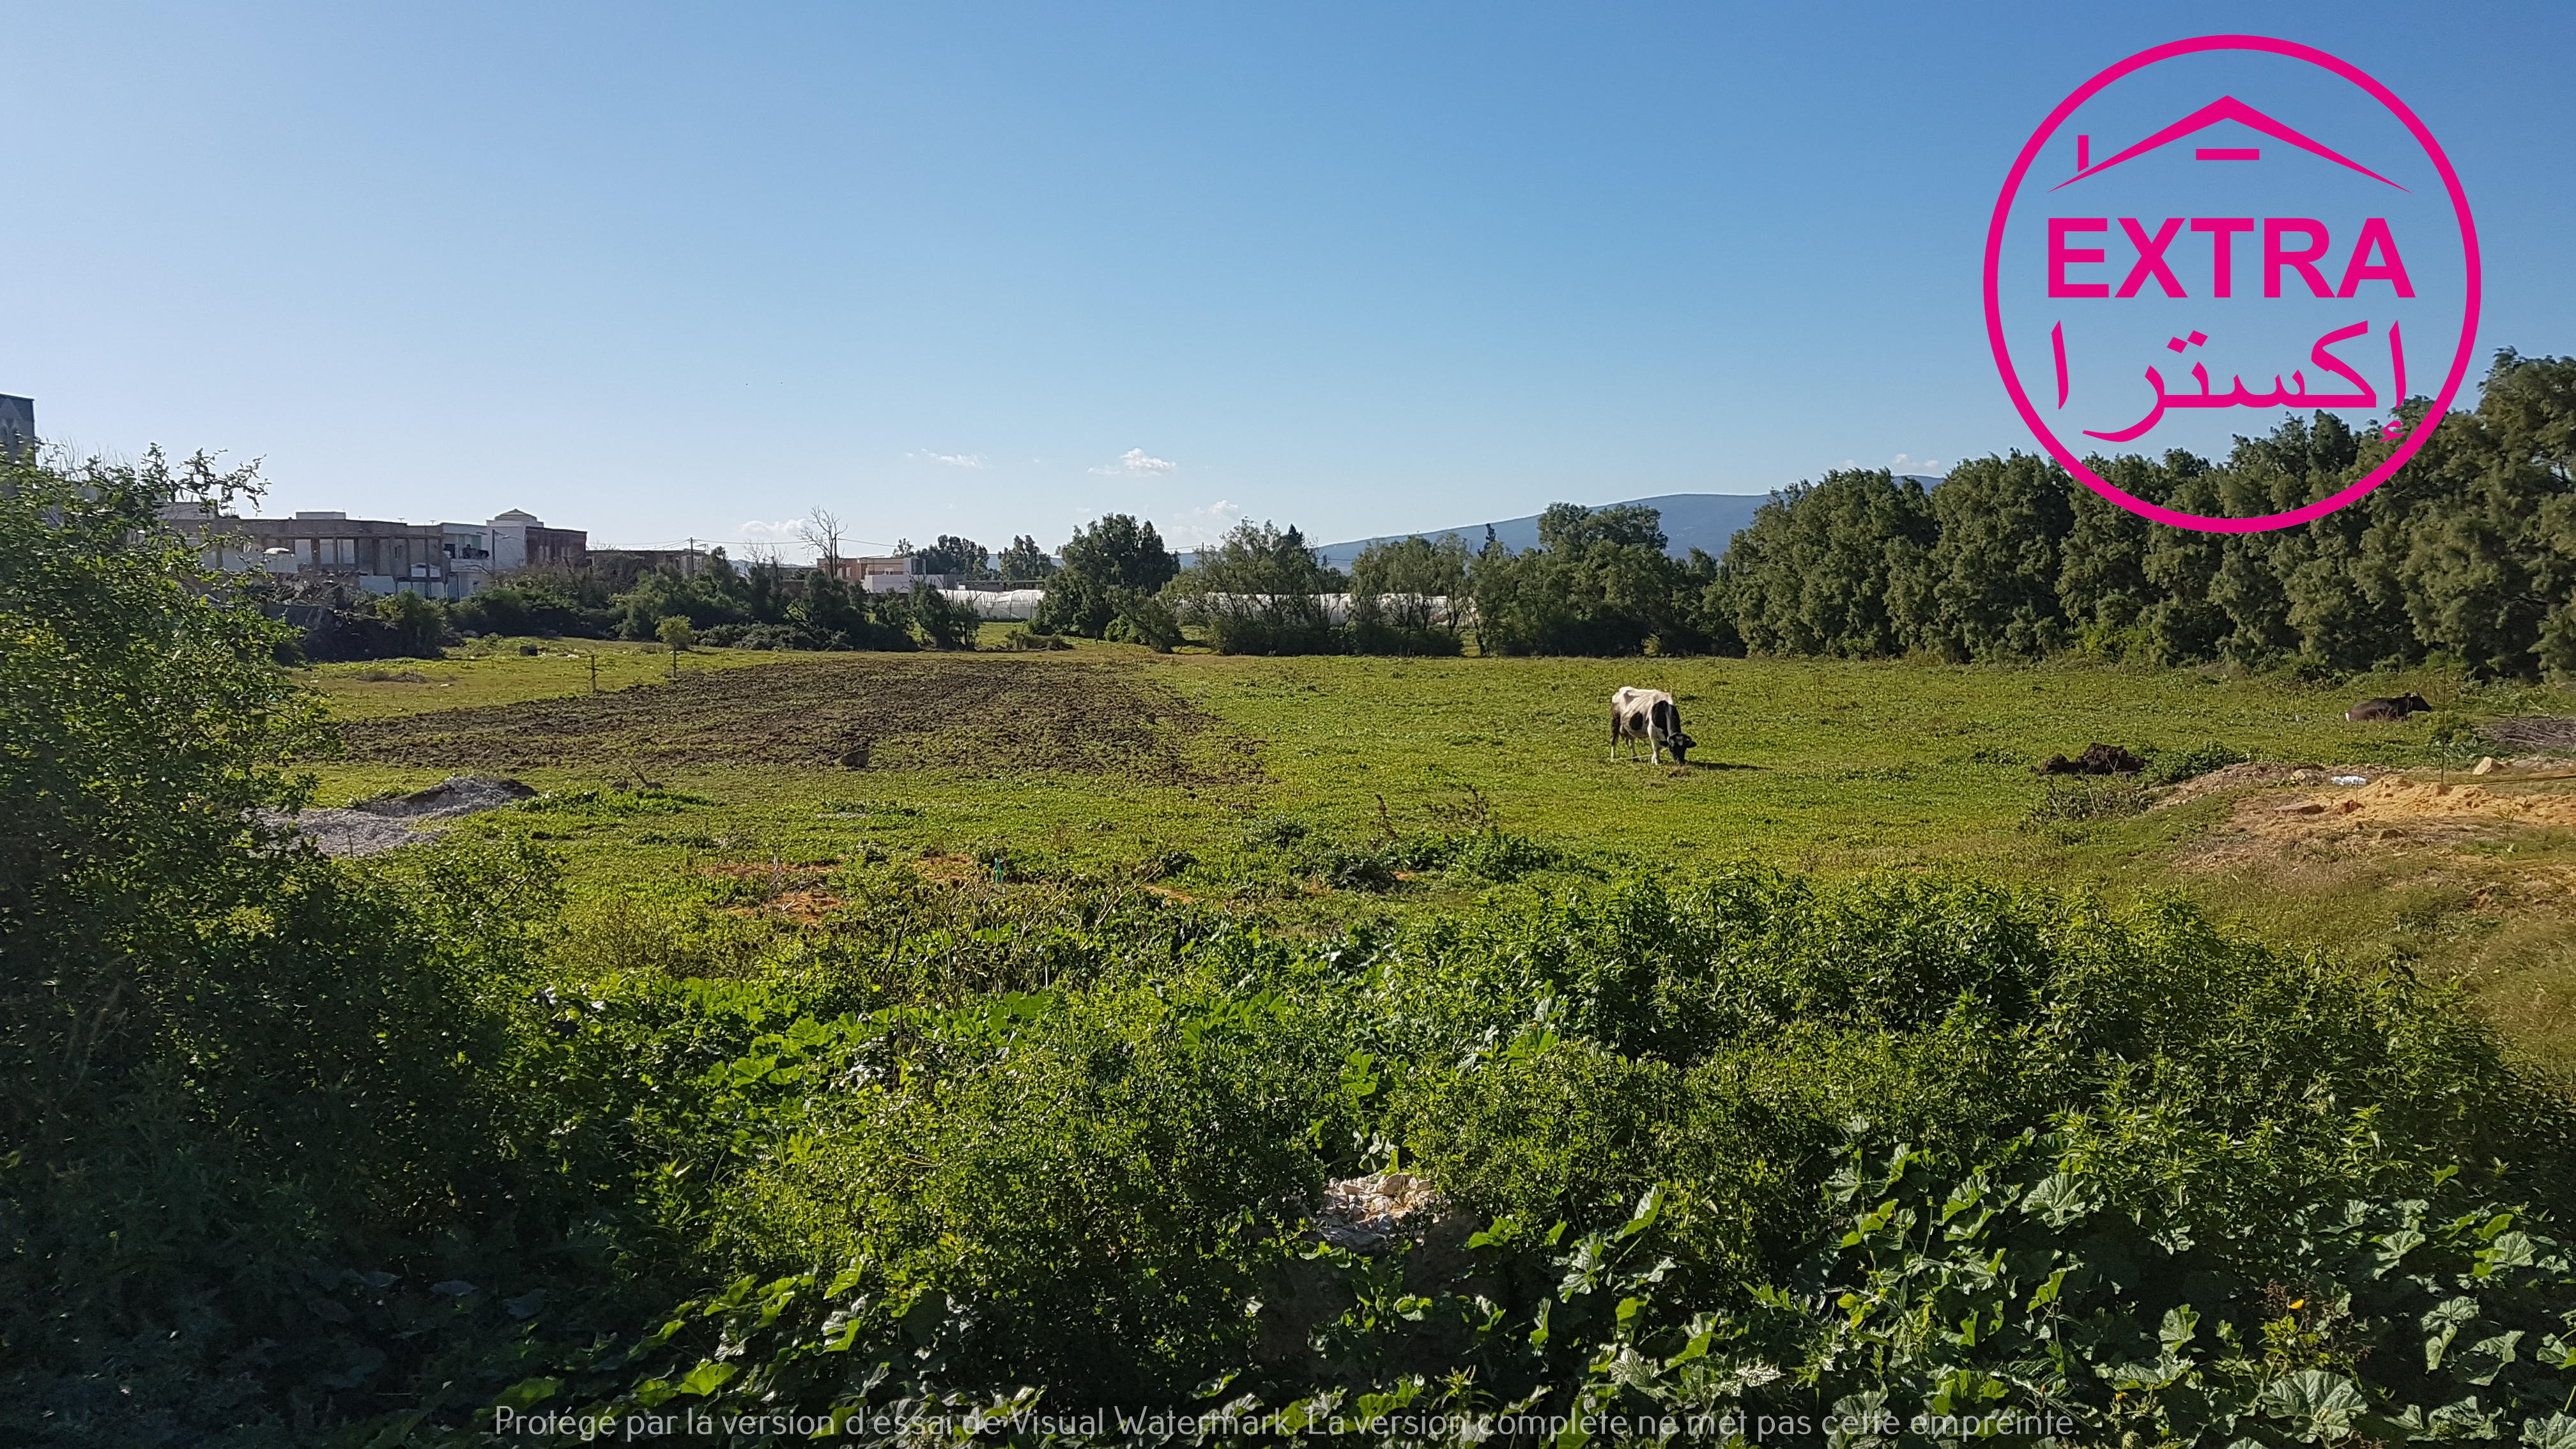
(946, 869)
(794, 892)
(856, 711)
(2392, 810)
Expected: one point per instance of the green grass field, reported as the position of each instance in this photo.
(1221, 778)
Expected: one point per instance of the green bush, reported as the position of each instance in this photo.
(254, 1106)
(2450, 729)
(1143, 619)
(2172, 767)
(1785, 1132)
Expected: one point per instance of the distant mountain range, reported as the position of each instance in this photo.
(1691, 520)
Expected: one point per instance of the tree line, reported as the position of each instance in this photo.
(2466, 557)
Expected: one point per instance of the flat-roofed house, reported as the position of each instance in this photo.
(381, 556)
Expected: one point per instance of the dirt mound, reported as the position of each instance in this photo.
(2555, 734)
(2389, 808)
(449, 798)
(854, 711)
(2253, 772)
(2097, 759)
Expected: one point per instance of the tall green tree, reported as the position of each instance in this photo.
(232, 1074)
(1109, 566)
(1990, 578)
(1260, 590)
(1831, 567)
(1408, 595)
(1599, 582)
(1024, 562)
(954, 555)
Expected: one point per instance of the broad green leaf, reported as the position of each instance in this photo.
(2322, 1401)
(2394, 1247)
(2481, 1361)
(840, 1330)
(2445, 1320)
(1650, 1207)
(2181, 1323)
(526, 1392)
(2048, 1291)
(2059, 1199)
(707, 1377)
(2508, 1250)
(2558, 1431)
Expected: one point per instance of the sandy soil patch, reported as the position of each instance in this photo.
(2392, 810)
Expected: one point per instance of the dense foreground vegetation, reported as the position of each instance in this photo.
(303, 1151)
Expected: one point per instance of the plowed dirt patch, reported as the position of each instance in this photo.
(871, 712)
(2390, 810)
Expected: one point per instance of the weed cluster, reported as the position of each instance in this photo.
(1730, 1140)
(2172, 767)
(2068, 805)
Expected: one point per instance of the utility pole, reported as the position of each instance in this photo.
(689, 560)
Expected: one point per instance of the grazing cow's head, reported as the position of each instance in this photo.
(1681, 745)
(2414, 704)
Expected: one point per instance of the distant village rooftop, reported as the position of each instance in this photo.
(382, 556)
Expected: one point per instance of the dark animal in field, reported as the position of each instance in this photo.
(2097, 759)
(2387, 709)
(1649, 715)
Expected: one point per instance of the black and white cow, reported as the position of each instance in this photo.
(1649, 715)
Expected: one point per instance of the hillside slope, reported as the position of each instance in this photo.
(1691, 520)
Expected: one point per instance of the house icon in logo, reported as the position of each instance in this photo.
(2225, 108)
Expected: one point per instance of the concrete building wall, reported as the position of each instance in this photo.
(379, 556)
(17, 423)
(889, 574)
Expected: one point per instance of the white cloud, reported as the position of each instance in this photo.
(783, 531)
(1136, 462)
(773, 540)
(953, 460)
(1201, 526)
(1925, 467)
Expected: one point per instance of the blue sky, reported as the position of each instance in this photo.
(662, 271)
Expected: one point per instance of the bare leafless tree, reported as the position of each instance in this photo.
(822, 528)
